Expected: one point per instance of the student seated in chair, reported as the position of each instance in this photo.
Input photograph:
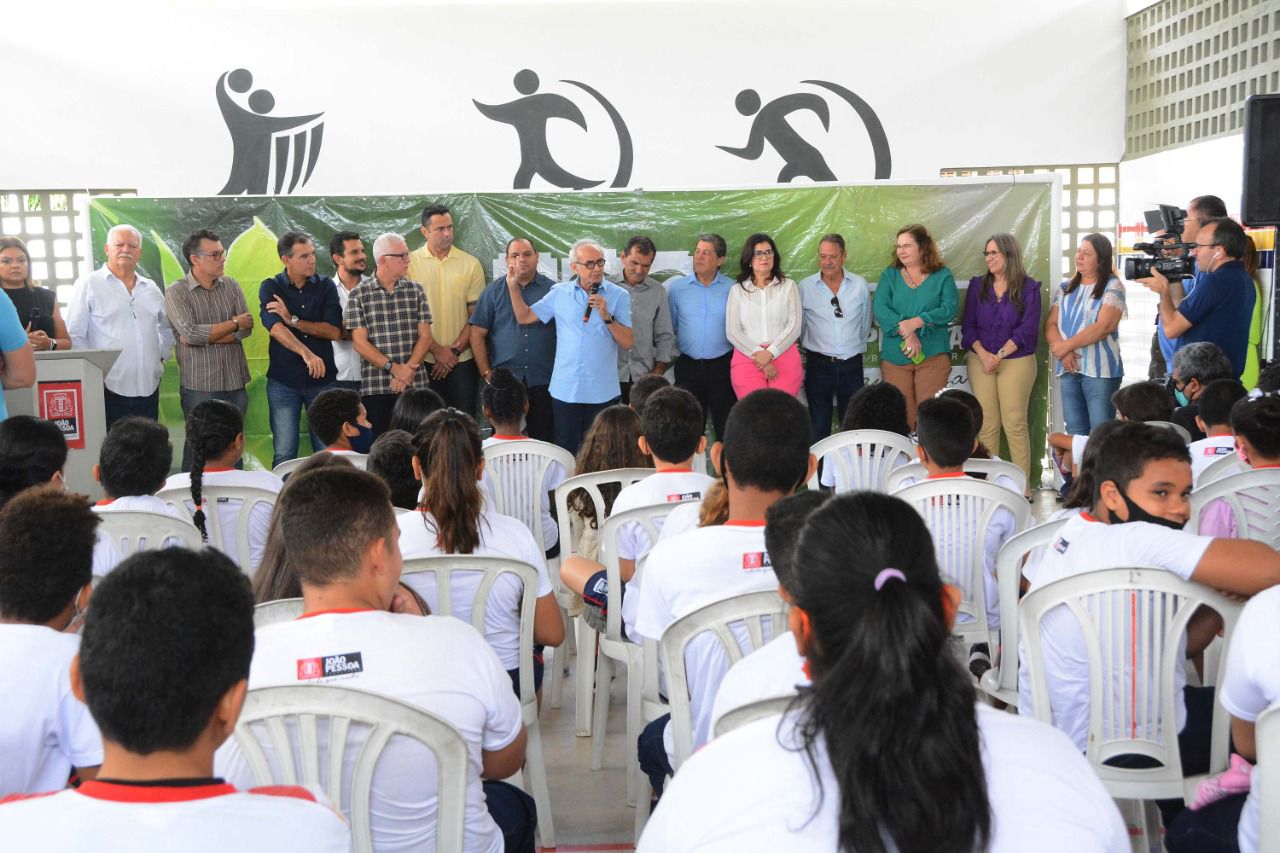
(163, 667)
(132, 466)
(338, 418)
(1214, 420)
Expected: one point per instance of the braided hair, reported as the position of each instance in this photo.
(212, 427)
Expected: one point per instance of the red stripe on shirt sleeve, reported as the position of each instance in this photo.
(294, 791)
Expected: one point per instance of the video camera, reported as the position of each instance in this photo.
(1166, 223)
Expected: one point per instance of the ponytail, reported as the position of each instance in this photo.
(890, 706)
(212, 427)
(714, 509)
(448, 448)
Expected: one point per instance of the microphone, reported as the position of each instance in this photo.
(586, 315)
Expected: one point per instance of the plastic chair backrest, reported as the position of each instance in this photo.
(142, 530)
(749, 713)
(958, 511)
(752, 611)
(235, 542)
(514, 474)
(570, 522)
(867, 458)
(991, 467)
(280, 610)
(650, 518)
(1002, 681)
(287, 467)
(1224, 467)
(1132, 621)
(444, 567)
(276, 710)
(1253, 497)
(1178, 428)
(1266, 779)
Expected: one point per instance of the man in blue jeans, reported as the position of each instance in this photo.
(302, 313)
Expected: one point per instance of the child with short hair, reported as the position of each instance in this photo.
(643, 388)
(1140, 402)
(391, 460)
(1256, 422)
(1214, 420)
(338, 418)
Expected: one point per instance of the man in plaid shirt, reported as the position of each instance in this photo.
(390, 327)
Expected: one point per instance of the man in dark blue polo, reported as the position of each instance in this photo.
(302, 312)
(529, 352)
(698, 303)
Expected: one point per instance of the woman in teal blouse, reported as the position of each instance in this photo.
(915, 303)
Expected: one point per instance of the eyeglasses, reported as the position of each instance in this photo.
(763, 253)
(1206, 245)
(989, 254)
(835, 303)
(217, 256)
(404, 256)
(591, 264)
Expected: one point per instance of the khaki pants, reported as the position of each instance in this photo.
(918, 381)
(1004, 396)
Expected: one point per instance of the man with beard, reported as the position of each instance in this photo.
(346, 249)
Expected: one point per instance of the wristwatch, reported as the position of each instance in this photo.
(293, 319)
(387, 366)
(457, 353)
(609, 322)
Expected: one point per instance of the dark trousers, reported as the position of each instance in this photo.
(1157, 370)
(190, 399)
(1212, 829)
(826, 377)
(572, 420)
(653, 755)
(539, 422)
(707, 379)
(461, 388)
(515, 814)
(118, 406)
(348, 385)
(625, 397)
(378, 409)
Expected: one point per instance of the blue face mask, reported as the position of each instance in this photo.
(362, 440)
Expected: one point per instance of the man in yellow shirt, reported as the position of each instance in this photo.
(453, 281)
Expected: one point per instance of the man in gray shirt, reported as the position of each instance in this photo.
(655, 339)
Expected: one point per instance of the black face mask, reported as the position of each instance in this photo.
(1137, 513)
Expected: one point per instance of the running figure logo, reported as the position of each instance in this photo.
(529, 116)
(803, 160)
(265, 148)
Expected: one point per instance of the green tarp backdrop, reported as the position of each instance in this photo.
(960, 215)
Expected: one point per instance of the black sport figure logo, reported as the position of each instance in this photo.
(801, 159)
(529, 116)
(265, 146)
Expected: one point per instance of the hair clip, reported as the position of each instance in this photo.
(886, 575)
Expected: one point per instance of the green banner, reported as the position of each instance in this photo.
(960, 215)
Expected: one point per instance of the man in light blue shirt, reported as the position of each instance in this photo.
(837, 318)
(698, 305)
(593, 320)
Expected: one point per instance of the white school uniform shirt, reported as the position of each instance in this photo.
(680, 520)
(1078, 443)
(552, 477)
(113, 818)
(44, 729)
(1208, 450)
(500, 536)
(1043, 794)
(229, 511)
(105, 555)
(435, 663)
(698, 568)
(345, 357)
(1085, 544)
(1252, 684)
(773, 670)
(104, 314)
(671, 485)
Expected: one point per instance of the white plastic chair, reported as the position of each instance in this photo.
(1001, 681)
(1224, 467)
(1266, 779)
(867, 458)
(492, 568)
(730, 621)
(1253, 495)
(957, 512)
(234, 543)
(287, 467)
(570, 532)
(1132, 621)
(297, 759)
(758, 710)
(280, 610)
(142, 530)
(991, 467)
(1178, 428)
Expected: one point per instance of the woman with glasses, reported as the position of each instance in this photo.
(915, 303)
(1001, 329)
(1081, 331)
(762, 321)
(37, 306)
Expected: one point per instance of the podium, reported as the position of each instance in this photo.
(68, 391)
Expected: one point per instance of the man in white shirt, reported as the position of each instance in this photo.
(765, 456)
(350, 574)
(1214, 420)
(837, 320)
(346, 250)
(114, 307)
(165, 692)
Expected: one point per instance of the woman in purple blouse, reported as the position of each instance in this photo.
(1001, 329)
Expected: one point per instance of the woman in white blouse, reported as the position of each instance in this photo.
(763, 322)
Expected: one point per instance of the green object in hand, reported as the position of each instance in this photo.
(915, 357)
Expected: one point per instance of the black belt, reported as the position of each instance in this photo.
(831, 358)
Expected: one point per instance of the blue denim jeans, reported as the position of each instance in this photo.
(118, 406)
(1086, 401)
(285, 405)
(190, 399)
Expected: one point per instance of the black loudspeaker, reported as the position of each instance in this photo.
(1260, 201)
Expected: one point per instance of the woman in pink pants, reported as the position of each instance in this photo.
(762, 322)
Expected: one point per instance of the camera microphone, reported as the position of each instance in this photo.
(586, 315)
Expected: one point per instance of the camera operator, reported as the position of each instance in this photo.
(1220, 307)
(1199, 210)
